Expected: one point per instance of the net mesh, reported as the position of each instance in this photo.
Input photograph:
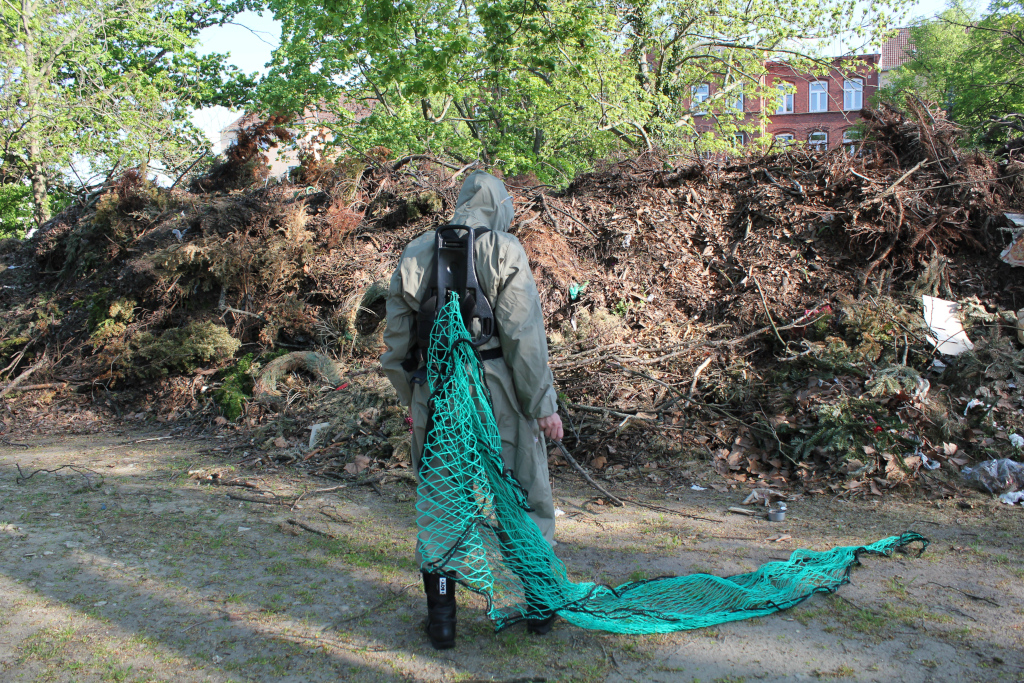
(474, 528)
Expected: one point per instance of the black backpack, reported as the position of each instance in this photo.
(454, 270)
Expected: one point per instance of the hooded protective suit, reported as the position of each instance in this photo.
(521, 384)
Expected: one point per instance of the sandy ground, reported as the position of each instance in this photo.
(129, 570)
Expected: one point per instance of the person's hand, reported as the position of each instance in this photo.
(551, 426)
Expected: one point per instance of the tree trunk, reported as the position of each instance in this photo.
(39, 199)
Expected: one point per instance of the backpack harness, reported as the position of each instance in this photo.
(454, 269)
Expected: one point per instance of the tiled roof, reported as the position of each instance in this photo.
(310, 115)
(897, 50)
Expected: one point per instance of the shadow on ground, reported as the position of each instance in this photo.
(131, 571)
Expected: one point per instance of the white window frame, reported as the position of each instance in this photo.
(699, 94)
(738, 103)
(786, 139)
(853, 94)
(817, 96)
(852, 140)
(818, 140)
(739, 139)
(785, 99)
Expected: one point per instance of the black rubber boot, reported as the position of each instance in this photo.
(440, 610)
(541, 627)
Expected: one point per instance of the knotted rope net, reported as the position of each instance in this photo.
(474, 528)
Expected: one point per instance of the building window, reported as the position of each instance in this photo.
(819, 96)
(818, 141)
(785, 99)
(853, 94)
(739, 139)
(851, 140)
(699, 94)
(737, 104)
(785, 139)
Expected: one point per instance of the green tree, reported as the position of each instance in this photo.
(548, 85)
(972, 66)
(15, 209)
(101, 85)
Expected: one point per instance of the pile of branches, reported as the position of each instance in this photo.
(687, 308)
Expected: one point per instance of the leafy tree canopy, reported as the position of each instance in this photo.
(548, 85)
(972, 65)
(102, 85)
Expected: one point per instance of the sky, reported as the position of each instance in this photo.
(251, 38)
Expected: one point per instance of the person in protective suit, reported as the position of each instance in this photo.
(515, 366)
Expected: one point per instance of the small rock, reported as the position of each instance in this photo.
(220, 421)
(47, 552)
(99, 604)
(72, 544)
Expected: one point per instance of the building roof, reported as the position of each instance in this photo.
(310, 116)
(897, 51)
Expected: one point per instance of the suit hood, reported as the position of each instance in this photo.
(483, 203)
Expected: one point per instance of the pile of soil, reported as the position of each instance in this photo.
(761, 313)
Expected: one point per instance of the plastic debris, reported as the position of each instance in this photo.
(973, 403)
(576, 289)
(996, 476)
(1017, 441)
(941, 317)
(317, 432)
(697, 488)
(1014, 254)
(1013, 498)
(928, 463)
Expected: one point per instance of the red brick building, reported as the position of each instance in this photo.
(819, 110)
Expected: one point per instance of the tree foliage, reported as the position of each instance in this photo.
(88, 87)
(973, 66)
(547, 85)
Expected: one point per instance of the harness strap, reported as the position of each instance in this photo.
(492, 354)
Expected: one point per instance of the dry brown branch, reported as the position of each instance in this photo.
(23, 376)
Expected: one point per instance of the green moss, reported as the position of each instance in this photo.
(180, 350)
(236, 388)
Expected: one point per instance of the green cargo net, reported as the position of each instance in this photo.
(474, 528)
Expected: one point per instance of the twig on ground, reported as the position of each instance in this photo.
(311, 529)
(200, 623)
(620, 502)
(253, 499)
(964, 593)
(583, 473)
(77, 469)
(372, 610)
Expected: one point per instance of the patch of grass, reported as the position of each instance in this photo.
(116, 673)
(897, 587)
(366, 556)
(278, 568)
(841, 671)
(908, 613)
(857, 618)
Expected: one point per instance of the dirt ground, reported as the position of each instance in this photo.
(130, 570)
